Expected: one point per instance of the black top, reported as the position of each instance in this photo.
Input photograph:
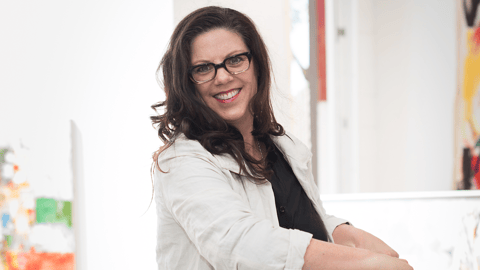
(294, 209)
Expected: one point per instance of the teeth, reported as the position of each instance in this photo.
(228, 95)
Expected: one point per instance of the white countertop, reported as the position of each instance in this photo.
(401, 195)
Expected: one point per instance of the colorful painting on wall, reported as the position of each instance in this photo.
(467, 107)
(36, 195)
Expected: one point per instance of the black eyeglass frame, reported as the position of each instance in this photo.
(217, 66)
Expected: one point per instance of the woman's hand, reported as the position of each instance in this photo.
(350, 236)
(382, 261)
(322, 255)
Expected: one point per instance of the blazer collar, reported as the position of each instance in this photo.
(294, 151)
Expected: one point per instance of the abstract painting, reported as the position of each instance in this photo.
(36, 195)
(467, 104)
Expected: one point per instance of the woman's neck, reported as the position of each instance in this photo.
(251, 145)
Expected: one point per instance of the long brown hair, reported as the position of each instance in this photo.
(186, 113)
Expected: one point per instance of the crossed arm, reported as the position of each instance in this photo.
(198, 196)
(353, 249)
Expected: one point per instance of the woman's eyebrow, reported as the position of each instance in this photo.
(233, 53)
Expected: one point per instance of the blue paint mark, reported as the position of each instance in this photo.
(5, 219)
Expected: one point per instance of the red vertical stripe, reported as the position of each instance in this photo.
(322, 62)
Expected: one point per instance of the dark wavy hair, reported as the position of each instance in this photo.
(186, 113)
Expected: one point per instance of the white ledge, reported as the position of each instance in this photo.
(401, 195)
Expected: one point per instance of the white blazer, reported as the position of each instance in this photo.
(211, 217)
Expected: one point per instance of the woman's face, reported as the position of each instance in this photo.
(228, 95)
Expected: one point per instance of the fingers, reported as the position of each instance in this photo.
(393, 253)
(387, 251)
(408, 265)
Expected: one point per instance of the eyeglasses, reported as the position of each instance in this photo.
(234, 65)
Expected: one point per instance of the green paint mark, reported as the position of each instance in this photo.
(52, 211)
(478, 143)
(8, 239)
(46, 210)
(2, 155)
(64, 212)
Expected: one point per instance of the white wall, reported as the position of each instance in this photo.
(92, 62)
(416, 84)
(405, 78)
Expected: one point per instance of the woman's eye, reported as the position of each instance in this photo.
(234, 60)
(203, 69)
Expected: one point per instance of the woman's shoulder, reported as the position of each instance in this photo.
(184, 147)
(186, 158)
(292, 146)
(184, 151)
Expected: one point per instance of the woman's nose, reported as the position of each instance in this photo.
(223, 76)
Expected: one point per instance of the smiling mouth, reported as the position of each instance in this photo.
(229, 96)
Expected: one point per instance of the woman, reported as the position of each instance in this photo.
(232, 190)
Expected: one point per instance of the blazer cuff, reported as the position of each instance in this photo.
(332, 223)
(299, 241)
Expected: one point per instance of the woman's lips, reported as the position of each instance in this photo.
(228, 96)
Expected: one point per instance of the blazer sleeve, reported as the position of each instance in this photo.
(226, 233)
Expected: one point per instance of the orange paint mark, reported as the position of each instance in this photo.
(11, 258)
(471, 81)
(15, 194)
(40, 261)
(32, 216)
(322, 53)
(24, 185)
(476, 40)
(15, 168)
(12, 190)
